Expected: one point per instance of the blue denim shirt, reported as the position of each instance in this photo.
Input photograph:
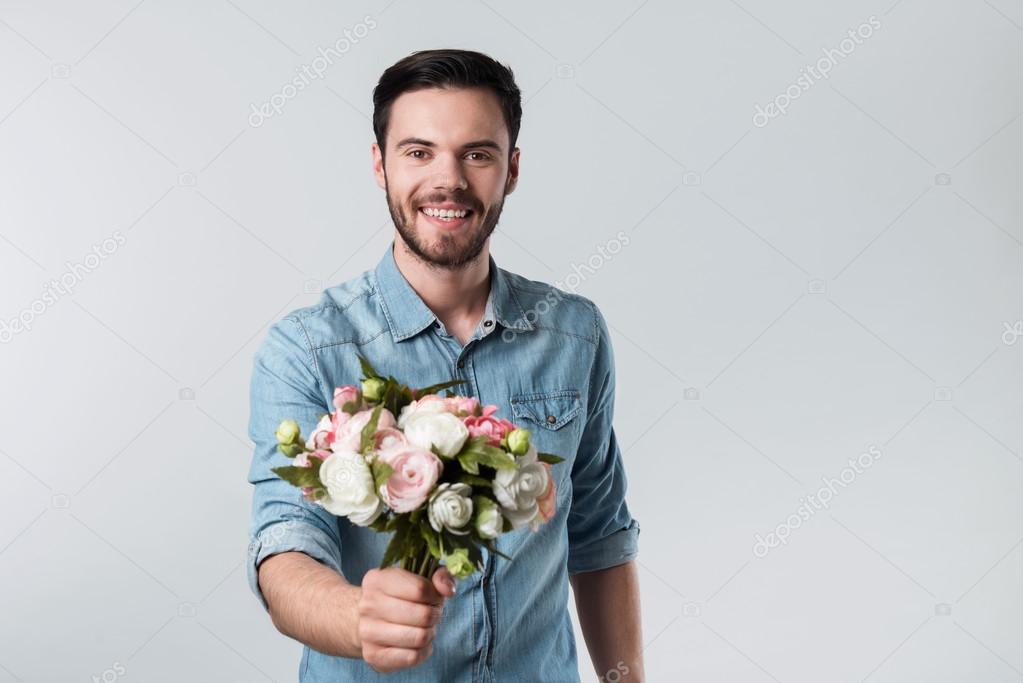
(544, 357)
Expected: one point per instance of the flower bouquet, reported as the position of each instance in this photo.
(443, 473)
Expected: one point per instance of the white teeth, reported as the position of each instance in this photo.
(444, 213)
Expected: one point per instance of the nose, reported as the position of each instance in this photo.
(448, 173)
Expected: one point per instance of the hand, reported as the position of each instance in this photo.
(398, 615)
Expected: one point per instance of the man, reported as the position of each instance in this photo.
(436, 307)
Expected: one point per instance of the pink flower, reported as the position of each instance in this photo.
(302, 459)
(462, 405)
(347, 394)
(349, 434)
(388, 437)
(489, 426)
(416, 471)
(323, 434)
(547, 503)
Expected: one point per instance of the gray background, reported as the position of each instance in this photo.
(847, 276)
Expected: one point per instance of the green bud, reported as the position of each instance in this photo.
(459, 564)
(373, 389)
(488, 522)
(288, 432)
(291, 449)
(518, 441)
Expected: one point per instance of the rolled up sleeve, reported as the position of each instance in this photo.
(284, 385)
(602, 532)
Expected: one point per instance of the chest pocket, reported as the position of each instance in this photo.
(553, 419)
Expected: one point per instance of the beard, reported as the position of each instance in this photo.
(448, 251)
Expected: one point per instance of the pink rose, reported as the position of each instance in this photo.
(388, 437)
(547, 503)
(416, 471)
(493, 428)
(463, 405)
(349, 434)
(302, 459)
(323, 434)
(347, 394)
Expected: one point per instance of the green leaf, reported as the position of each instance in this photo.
(468, 463)
(300, 476)
(436, 388)
(381, 472)
(366, 443)
(367, 368)
(430, 536)
(549, 458)
(473, 480)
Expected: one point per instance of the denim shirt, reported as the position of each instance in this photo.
(544, 357)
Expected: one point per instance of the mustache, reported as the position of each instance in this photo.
(440, 199)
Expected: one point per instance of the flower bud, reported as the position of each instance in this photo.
(489, 521)
(518, 441)
(373, 389)
(288, 432)
(459, 564)
(291, 449)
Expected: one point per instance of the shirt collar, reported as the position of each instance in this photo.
(407, 314)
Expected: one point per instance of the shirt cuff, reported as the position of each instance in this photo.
(609, 551)
(290, 535)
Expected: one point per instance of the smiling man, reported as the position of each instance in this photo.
(437, 306)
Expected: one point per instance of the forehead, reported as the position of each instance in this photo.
(448, 117)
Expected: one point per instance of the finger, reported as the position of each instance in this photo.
(404, 612)
(394, 658)
(443, 582)
(384, 634)
(404, 585)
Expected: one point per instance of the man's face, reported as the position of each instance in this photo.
(447, 149)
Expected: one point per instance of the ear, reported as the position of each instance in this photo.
(513, 172)
(378, 166)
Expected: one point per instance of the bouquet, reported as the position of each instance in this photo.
(444, 474)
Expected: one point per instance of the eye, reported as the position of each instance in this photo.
(483, 156)
(417, 151)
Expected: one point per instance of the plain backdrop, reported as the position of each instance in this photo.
(841, 280)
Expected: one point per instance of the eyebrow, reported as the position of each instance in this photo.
(469, 145)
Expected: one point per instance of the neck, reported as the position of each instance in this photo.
(453, 295)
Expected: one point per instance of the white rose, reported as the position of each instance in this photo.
(431, 403)
(517, 490)
(349, 485)
(444, 431)
(450, 507)
(489, 522)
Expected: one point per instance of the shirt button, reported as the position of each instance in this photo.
(551, 419)
(488, 323)
(461, 363)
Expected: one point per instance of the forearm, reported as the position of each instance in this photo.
(312, 603)
(608, 605)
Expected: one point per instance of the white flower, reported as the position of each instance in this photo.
(444, 431)
(489, 522)
(450, 507)
(517, 490)
(431, 403)
(349, 485)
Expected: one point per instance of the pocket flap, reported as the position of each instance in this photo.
(549, 409)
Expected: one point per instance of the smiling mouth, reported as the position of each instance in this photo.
(447, 217)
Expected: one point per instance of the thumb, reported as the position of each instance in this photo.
(444, 582)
